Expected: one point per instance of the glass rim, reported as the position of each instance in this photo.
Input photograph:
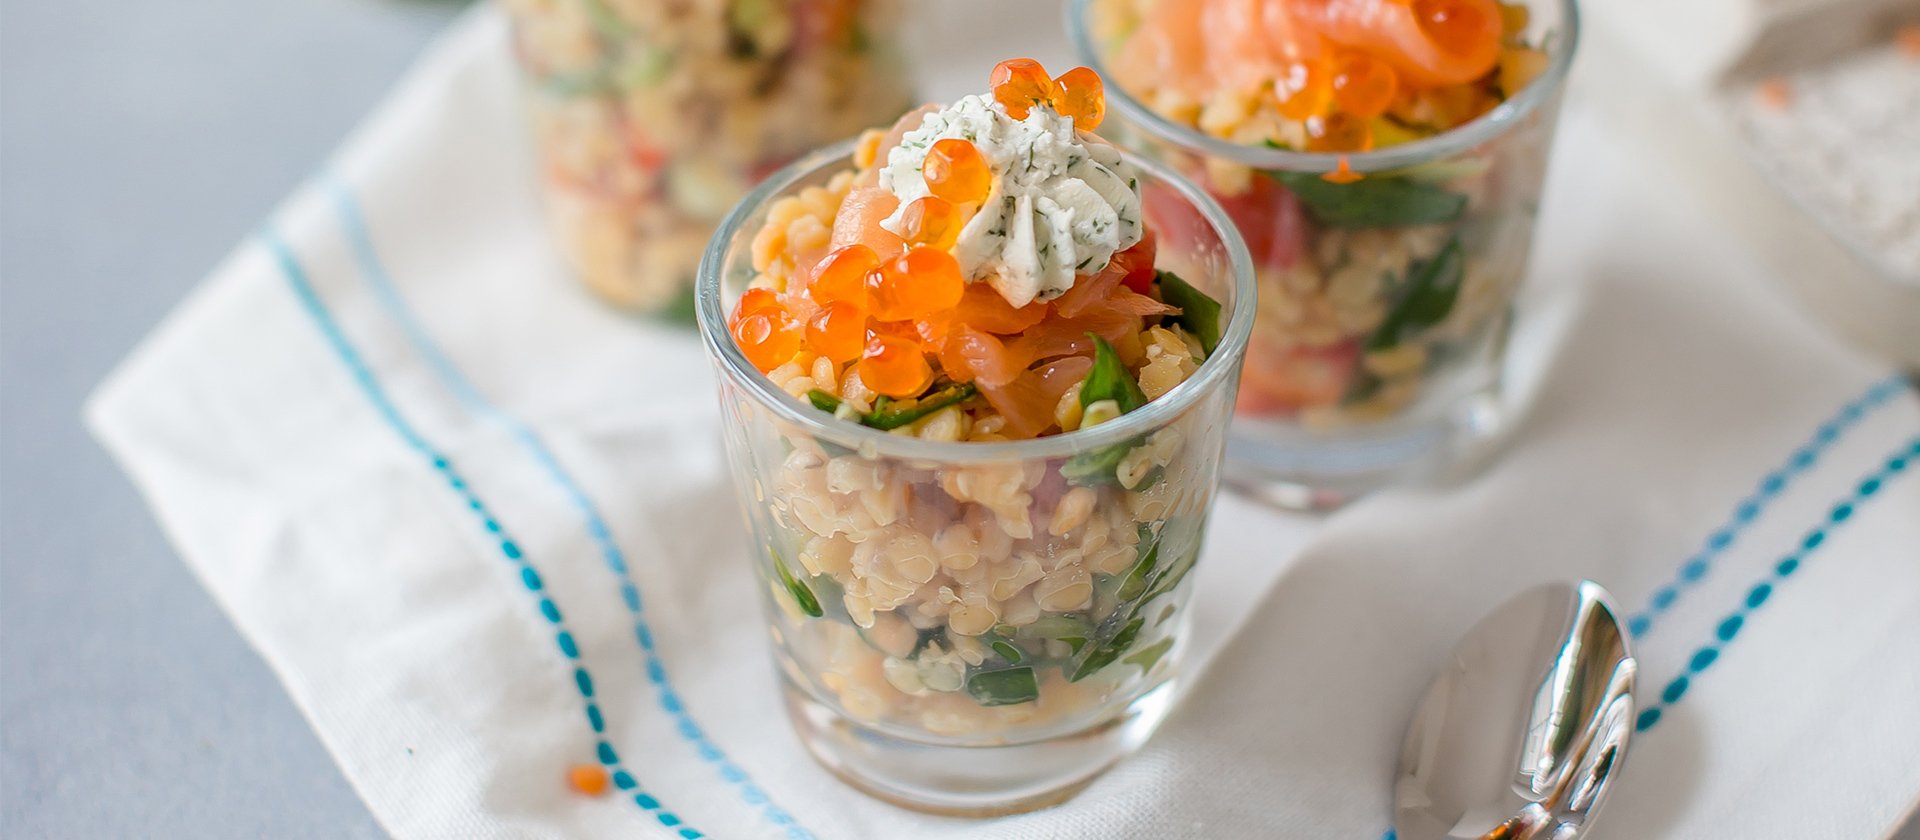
(1487, 126)
(1220, 369)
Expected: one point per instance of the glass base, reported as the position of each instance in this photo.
(1283, 465)
(972, 781)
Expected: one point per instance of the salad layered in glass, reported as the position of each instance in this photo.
(976, 408)
(1383, 159)
(653, 117)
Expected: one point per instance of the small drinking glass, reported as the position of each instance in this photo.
(978, 627)
(652, 118)
(1384, 302)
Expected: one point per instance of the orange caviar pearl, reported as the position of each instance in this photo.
(756, 300)
(1082, 97)
(921, 282)
(931, 221)
(1452, 25)
(895, 367)
(838, 331)
(1338, 132)
(1305, 90)
(1021, 83)
(955, 171)
(1363, 85)
(769, 338)
(842, 276)
(587, 779)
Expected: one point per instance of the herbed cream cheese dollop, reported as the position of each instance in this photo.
(1059, 204)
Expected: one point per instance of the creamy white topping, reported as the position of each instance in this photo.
(1060, 205)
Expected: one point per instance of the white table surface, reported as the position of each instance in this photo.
(138, 142)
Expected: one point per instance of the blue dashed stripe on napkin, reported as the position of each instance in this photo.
(387, 292)
(376, 394)
(1749, 509)
(1729, 628)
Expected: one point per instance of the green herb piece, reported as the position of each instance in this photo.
(886, 414)
(1149, 656)
(1100, 466)
(680, 312)
(647, 67)
(889, 416)
(1109, 379)
(1171, 576)
(1055, 627)
(925, 638)
(824, 401)
(1199, 314)
(801, 594)
(1105, 654)
(1007, 651)
(605, 20)
(1003, 687)
(572, 85)
(1134, 583)
(1434, 286)
(1373, 201)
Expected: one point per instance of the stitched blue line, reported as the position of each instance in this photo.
(1728, 629)
(1748, 511)
(376, 394)
(387, 292)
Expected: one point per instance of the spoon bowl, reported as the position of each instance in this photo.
(1524, 728)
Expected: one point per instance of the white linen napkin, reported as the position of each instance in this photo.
(482, 529)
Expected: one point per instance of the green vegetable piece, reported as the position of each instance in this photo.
(1134, 583)
(1171, 576)
(1199, 314)
(1107, 653)
(824, 401)
(888, 416)
(1433, 288)
(801, 594)
(1007, 651)
(1004, 687)
(1099, 466)
(1374, 201)
(605, 20)
(1149, 656)
(1055, 627)
(1109, 380)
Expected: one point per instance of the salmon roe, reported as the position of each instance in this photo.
(768, 337)
(1021, 83)
(1083, 97)
(588, 779)
(923, 281)
(838, 331)
(956, 171)
(1338, 132)
(895, 366)
(931, 221)
(842, 276)
(1363, 85)
(1455, 26)
(756, 300)
(1305, 90)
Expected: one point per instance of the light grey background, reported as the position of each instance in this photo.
(139, 141)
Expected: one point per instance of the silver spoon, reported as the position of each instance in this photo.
(1523, 730)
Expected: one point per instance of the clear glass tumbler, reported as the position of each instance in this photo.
(1384, 302)
(978, 627)
(652, 118)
